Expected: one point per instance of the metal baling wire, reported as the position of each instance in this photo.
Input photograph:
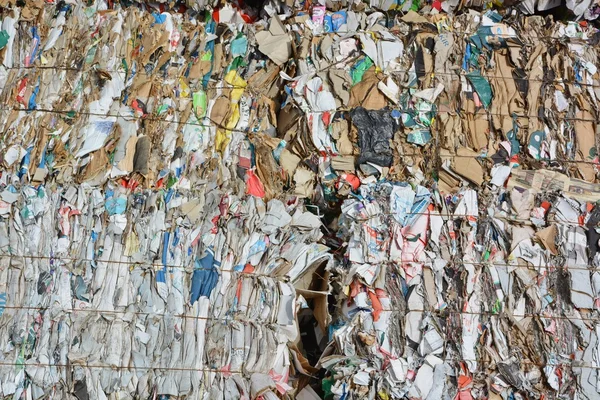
(513, 266)
(574, 364)
(143, 264)
(395, 71)
(245, 131)
(269, 275)
(53, 258)
(242, 320)
(517, 220)
(448, 311)
(124, 312)
(457, 33)
(228, 320)
(119, 367)
(439, 313)
(281, 278)
(217, 125)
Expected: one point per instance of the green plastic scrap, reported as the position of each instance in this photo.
(408, 120)
(419, 137)
(493, 15)
(326, 385)
(199, 103)
(416, 5)
(497, 307)
(474, 57)
(90, 55)
(535, 144)
(4, 37)
(237, 63)
(359, 69)
(515, 146)
(161, 109)
(171, 180)
(477, 41)
(124, 65)
(482, 87)
(206, 56)
(426, 112)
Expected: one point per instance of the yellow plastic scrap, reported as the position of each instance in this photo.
(238, 83)
(223, 136)
(346, 290)
(184, 88)
(222, 139)
(383, 395)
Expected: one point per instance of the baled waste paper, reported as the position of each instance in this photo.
(262, 200)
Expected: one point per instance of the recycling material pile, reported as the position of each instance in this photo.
(384, 200)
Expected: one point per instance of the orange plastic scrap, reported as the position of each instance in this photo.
(376, 304)
(254, 186)
(465, 382)
(351, 179)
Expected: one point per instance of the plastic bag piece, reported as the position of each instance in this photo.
(515, 146)
(205, 277)
(482, 87)
(375, 130)
(4, 38)
(253, 185)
